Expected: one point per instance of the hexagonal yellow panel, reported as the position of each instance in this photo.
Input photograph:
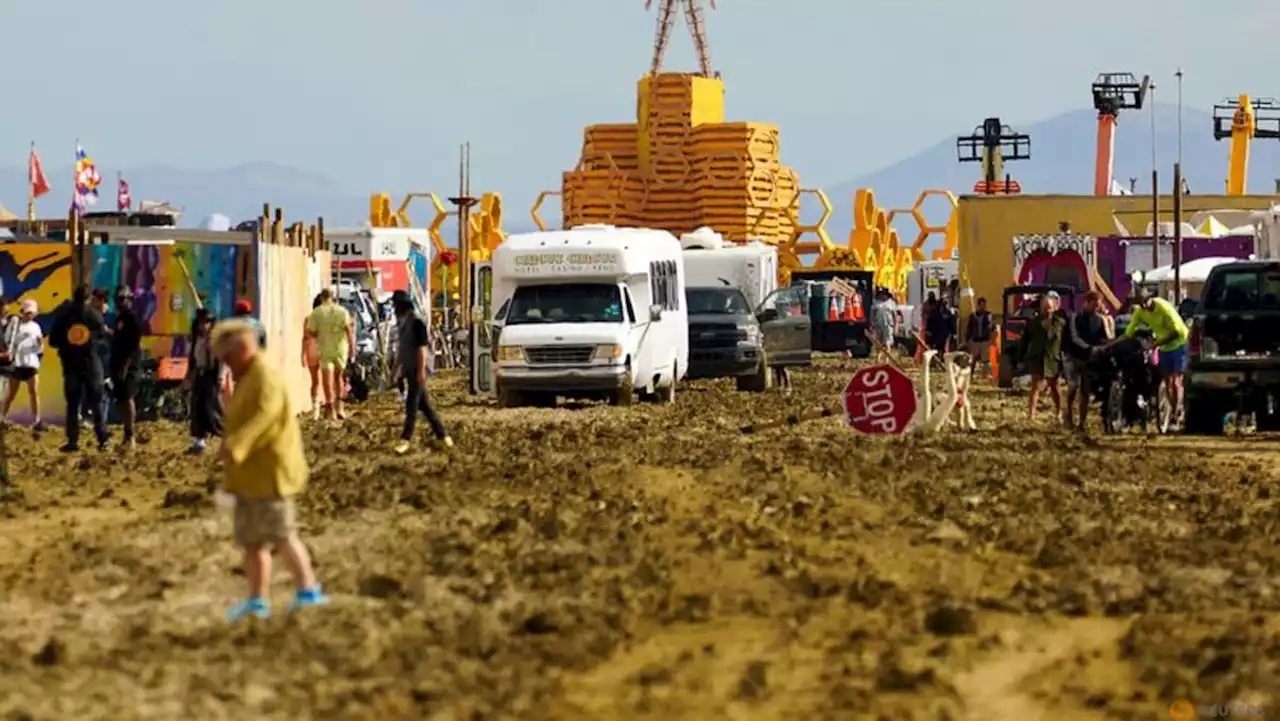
(537, 206)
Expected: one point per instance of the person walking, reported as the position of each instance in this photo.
(1161, 318)
(335, 343)
(413, 346)
(126, 364)
(98, 301)
(244, 311)
(28, 352)
(1043, 339)
(8, 337)
(76, 335)
(204, 382)
(311, 359)
(884, 323)
(1086, 336)
(978, 332)
(264, 470)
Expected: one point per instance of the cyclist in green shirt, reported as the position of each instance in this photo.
(1162, 319)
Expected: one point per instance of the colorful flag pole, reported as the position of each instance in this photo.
(37, 183)
(124, 201)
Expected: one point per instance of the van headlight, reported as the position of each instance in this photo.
(751, 335)
(510, 354)
(608, 352)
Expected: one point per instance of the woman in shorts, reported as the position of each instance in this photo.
(311, 358)
(1043, 339)
(27, 352)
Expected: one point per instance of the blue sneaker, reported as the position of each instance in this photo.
(255, 606)
(305, 597)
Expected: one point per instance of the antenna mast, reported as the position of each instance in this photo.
(693, 17)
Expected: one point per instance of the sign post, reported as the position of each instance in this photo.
(879, 401)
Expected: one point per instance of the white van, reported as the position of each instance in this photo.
(711, 261)
(594, 311)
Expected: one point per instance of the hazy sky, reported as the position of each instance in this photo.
(379, 93)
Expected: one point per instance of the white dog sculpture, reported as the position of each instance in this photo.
(931, 418)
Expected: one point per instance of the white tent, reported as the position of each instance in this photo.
(1194, 271)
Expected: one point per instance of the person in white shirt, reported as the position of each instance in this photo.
(27, 351)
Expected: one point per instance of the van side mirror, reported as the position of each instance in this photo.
(768, 314)
(655, 313)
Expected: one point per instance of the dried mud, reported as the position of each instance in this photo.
(651, 562)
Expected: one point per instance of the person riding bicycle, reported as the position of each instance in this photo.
(1171, 334)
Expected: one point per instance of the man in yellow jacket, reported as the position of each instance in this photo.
(265, 468)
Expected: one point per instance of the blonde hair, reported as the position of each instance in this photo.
(232, 331)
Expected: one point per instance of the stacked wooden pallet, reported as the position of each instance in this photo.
(681, 167)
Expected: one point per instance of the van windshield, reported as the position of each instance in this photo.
(566, 303)
(716, 301)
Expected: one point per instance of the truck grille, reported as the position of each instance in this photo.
(559, 354)
(715, 335)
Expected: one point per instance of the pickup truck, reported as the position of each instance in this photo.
(1234, 349)
(725, 339)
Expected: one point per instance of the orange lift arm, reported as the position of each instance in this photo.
(1113, 92)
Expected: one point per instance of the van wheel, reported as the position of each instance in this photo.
(759, 381)
(623, 396)
(667, 394)
(509, 398)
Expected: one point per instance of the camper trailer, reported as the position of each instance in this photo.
(710, 260)
(591, 312)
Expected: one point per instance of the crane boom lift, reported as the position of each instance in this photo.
(1113, 92)
(993, 144)
(1242, 120)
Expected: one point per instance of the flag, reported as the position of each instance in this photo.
(123, 200)
(39, 185)
(87, 180)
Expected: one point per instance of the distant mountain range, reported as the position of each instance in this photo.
(1062, 153)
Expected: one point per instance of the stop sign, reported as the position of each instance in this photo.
(879, 400)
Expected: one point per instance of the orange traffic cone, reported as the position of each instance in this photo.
(853, 308)
(833, 314)
(993, 360)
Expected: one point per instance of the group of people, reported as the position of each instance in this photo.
(1059, 345)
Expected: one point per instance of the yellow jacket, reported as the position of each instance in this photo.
(262, 439)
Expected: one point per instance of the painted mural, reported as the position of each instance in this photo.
(40, 272)
(162, 292)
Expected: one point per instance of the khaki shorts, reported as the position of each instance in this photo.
(980, 350)
(264, 522)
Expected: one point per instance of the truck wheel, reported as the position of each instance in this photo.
(623, 396)
(667, 394)
(1005, 379)
(509, 398)
(1205, 418)
(759, 381)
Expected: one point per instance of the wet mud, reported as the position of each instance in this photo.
(652, 562)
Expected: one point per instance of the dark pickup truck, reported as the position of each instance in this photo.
(725, 339)
(1234, 350)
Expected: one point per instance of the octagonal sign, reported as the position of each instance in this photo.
(880, 401)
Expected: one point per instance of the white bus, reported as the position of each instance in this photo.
(591, 312)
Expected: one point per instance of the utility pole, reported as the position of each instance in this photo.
(1177, 233)
(1155, 187)
(463, 201)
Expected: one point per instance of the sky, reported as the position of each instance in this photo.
(378, 94)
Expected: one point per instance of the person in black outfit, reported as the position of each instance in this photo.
(413, 344)
(1086, 336)
(204, 381)
(76, 335)
(126, 363)
(98, 301)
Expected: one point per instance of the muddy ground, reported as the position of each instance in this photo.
(651, 562)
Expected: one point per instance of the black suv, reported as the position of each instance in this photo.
(1234, 350)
